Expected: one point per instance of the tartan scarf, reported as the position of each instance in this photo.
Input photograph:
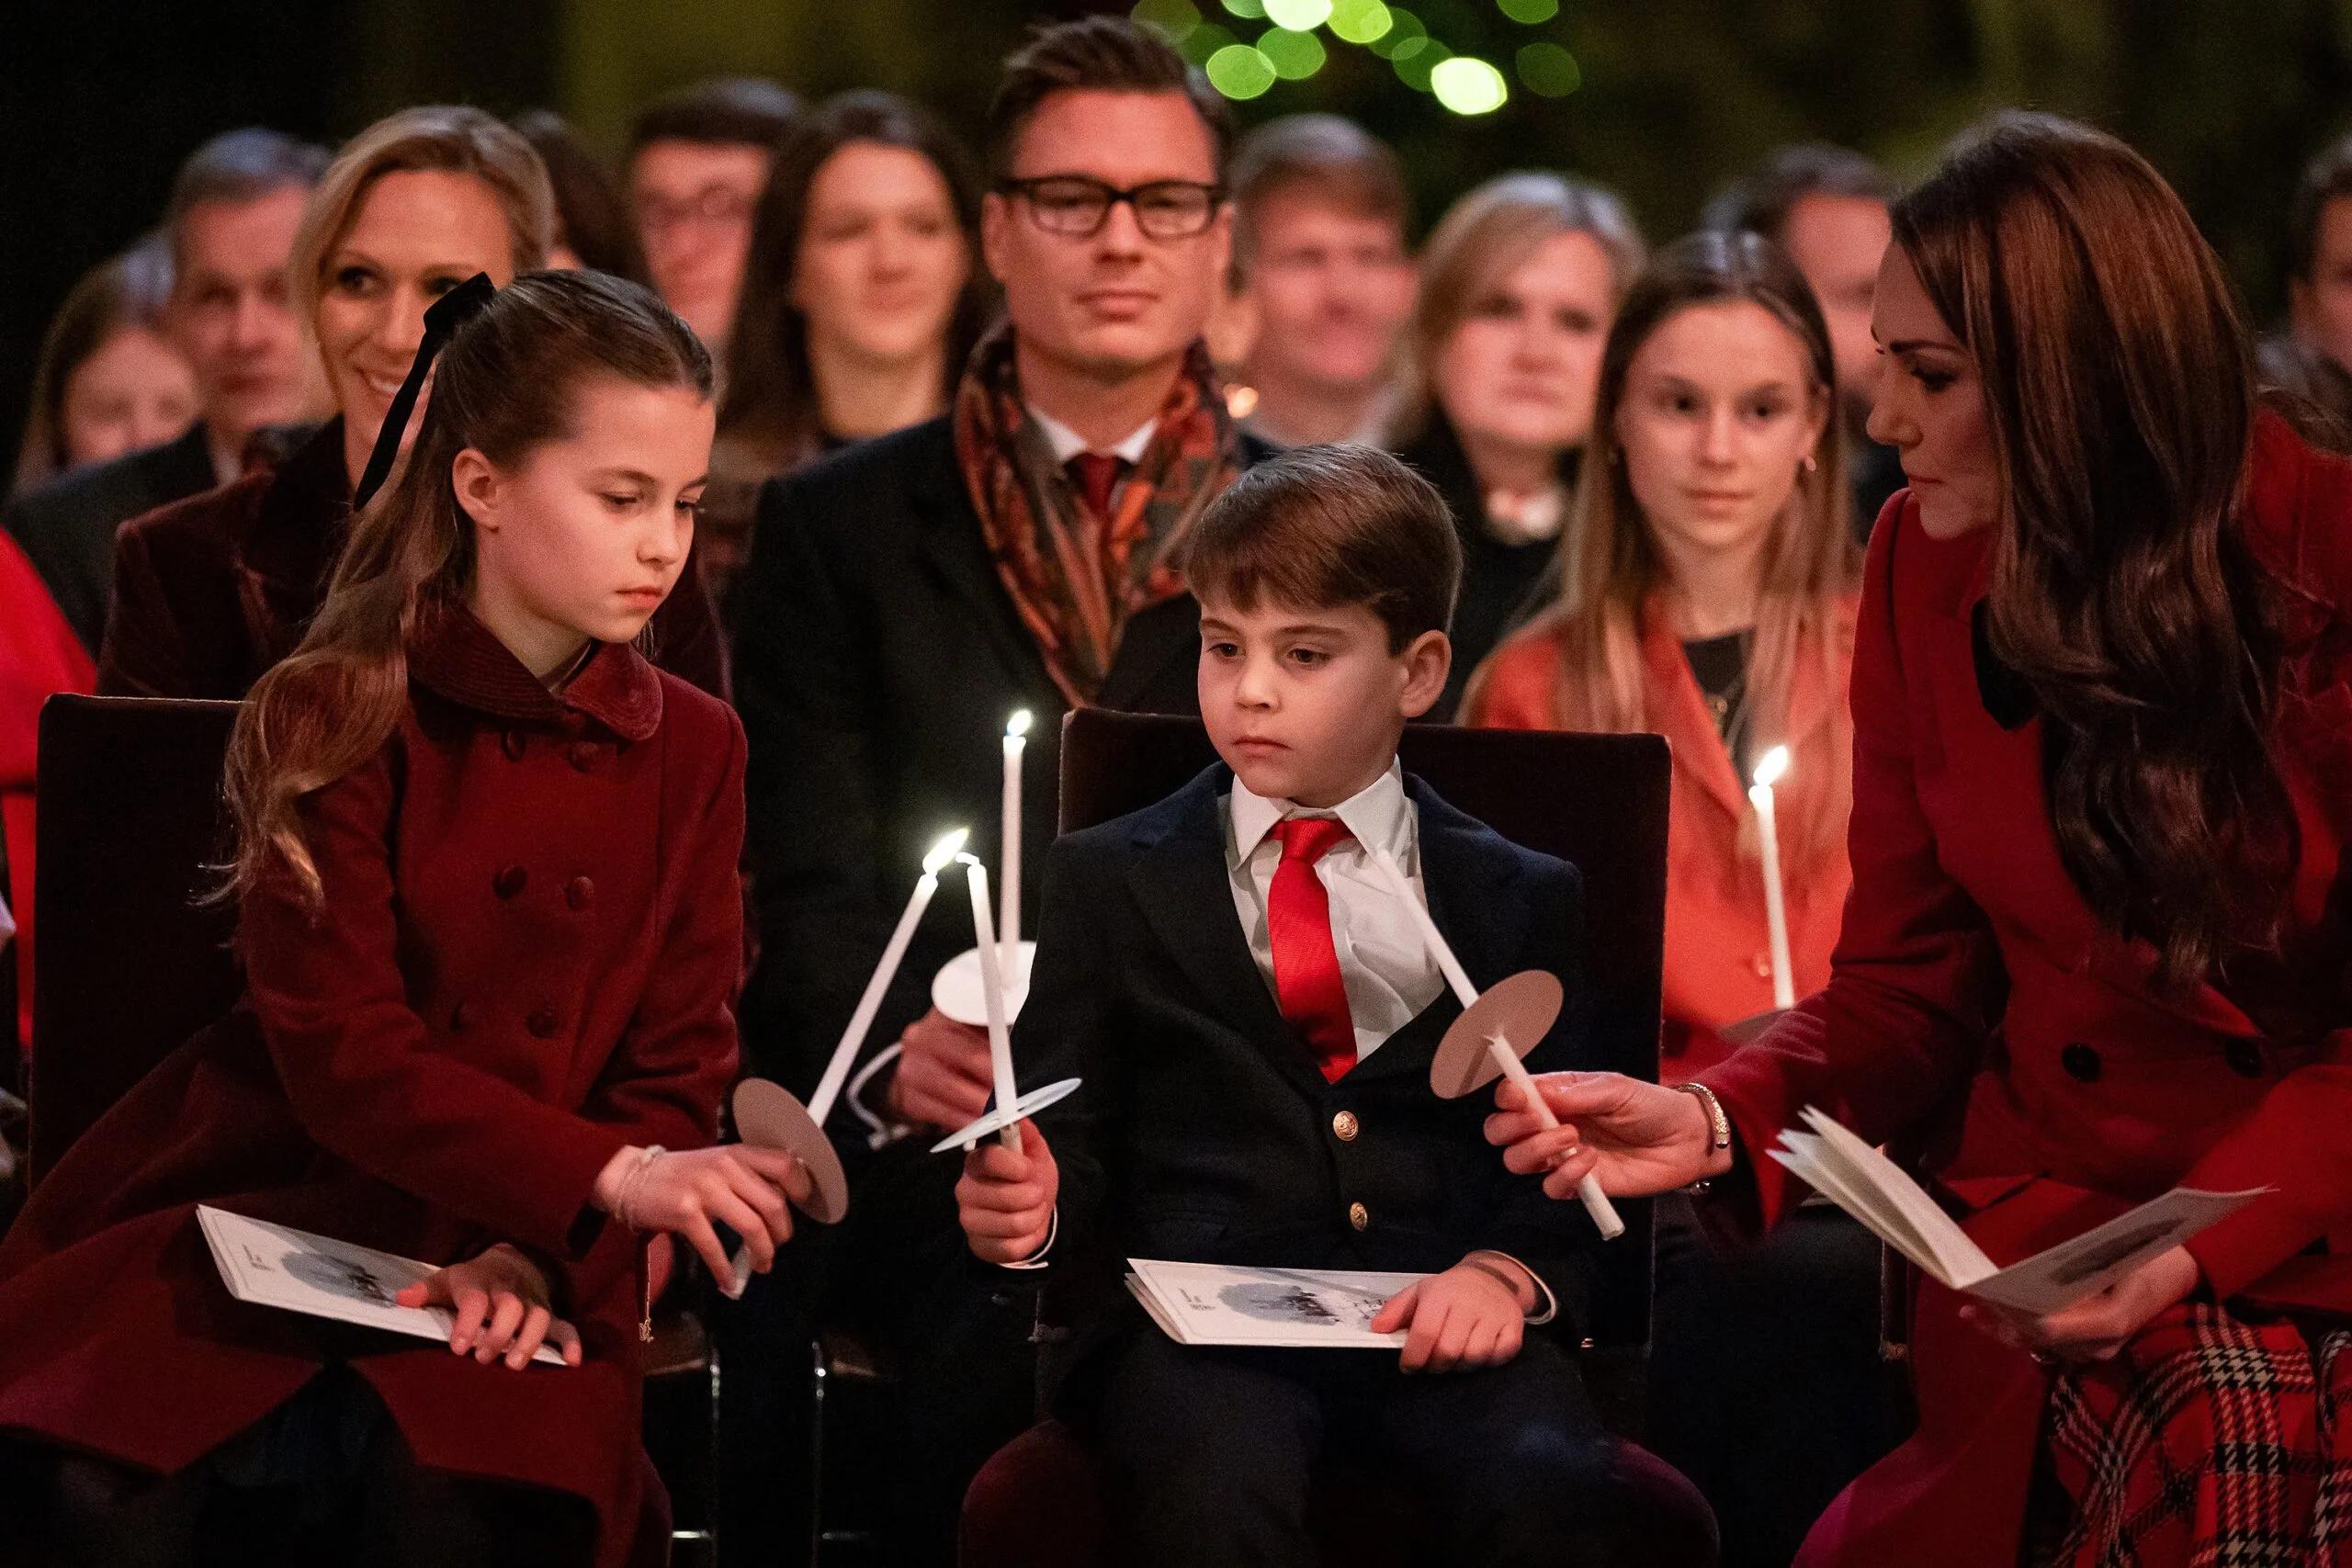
(1074, 576)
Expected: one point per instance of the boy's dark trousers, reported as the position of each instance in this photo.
(1216, 1445)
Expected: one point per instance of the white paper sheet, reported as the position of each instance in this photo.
(280, 1267)
(1860, 1179)
(1209, 1303)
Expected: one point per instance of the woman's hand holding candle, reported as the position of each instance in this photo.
(1636, 1138)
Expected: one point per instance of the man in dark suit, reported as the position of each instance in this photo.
(1253, 1013)
(234, 209)
(904, 597)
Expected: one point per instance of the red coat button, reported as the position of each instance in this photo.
(580, 754)
(514, 743)
(461, 1016)
(509, 881)
(578, 892)
(541, 1023)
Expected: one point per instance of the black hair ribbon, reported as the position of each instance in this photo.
(442, 320)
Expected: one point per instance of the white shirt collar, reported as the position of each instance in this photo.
(1377, 815)
(1068, 442)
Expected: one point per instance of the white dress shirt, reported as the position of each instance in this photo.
(1068, 442)
(1390, 973)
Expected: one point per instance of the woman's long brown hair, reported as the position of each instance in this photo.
(507, 382)
(770, 412)
(2119, 382)
(1609, 565)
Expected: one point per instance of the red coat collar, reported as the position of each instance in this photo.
(457, 656)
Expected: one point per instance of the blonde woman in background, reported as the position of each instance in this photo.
(1519, 284)
(211, 591)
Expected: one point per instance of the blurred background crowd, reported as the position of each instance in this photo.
(224, 223)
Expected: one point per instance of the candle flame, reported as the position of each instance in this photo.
(949, 846)
(1771, 765)
(1018, 725)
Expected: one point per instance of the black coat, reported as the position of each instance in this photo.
(1502, 583)
(1203, 1132)
(877, 657)
(67, 525)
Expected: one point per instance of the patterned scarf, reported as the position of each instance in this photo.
(1074, 576)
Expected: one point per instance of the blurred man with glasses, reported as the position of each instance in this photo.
(904, 597)
(698, 159)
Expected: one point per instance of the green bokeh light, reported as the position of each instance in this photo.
(1530, 12)
(1401, 36)
(1296, 55)
(1203, 42)
(1548, 71)
(1298, 16)
(1467, 84)
(1239, 71)
(1250, 8)
(1171, 19)
(1413, 67)
(1360, 21)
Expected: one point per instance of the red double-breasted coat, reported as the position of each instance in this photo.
(528, 958)
(1975, 999)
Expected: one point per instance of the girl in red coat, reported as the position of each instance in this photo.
(2098, 941)
(491, 933)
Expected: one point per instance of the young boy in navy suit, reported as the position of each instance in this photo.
(1254, 1015)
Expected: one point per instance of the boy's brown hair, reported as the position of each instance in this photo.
(1320, 527)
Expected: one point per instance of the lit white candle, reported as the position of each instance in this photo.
(1016, 741)
(1769, 771)
(993, 986)
(1596, 1202)
(828, 1088)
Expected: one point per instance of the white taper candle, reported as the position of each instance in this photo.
(1016, 742)
(828, 1088)
(1769, 770)
(993, 986)
(1596, 1202)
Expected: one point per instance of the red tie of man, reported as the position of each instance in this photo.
(1307, 984)
(1096, 475)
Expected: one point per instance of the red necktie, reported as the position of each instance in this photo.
(1307, 983)
(1096, 474)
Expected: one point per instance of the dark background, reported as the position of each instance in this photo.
(99, 99)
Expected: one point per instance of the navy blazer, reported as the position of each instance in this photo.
(1206, 1132)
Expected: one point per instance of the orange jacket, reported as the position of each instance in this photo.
(1718, 953)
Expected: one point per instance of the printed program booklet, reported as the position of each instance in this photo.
(281, 1267)
(1211, 1303)
(1836, 1162)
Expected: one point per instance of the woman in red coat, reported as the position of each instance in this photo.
(490, 928)
(2097, 944)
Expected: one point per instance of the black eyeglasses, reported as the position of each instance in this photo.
(1078, 207)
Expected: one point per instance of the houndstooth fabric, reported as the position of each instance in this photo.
(2208, 1442)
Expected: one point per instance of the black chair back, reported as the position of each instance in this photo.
(1598, 801)
(128, 961)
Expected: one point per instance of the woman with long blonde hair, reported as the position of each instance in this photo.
(213, 591)
(1706, 591)
(1520, 281)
